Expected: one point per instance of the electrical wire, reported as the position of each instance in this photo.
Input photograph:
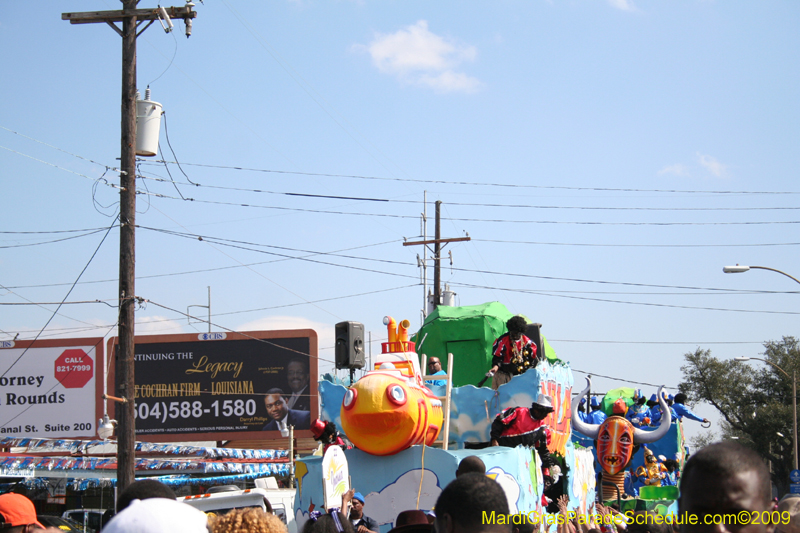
(649, 304)
(540, 243)
(64, 299)
(484, 184)
(187, 272)
(52, 241)
(103, 181)
(471, 204)
(115, 169)
(503, 221)
(241, 244)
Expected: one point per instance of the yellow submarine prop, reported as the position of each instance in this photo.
(390, 408)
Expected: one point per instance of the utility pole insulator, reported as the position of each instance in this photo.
(437, 256)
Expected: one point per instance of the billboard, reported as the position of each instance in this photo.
(50, 389)
(217, 386)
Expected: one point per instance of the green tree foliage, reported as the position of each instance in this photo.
(754, 399)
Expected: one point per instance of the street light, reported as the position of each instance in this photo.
(738, 269)
(794, 397)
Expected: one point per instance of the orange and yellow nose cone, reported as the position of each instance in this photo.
(383, 414)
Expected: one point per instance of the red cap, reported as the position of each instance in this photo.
(17, 510)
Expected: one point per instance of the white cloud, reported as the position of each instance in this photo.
(159, 325)
(417, 56)
(385, 505)
(711, 164)
(677, 169)
(509, 485)
(624, 5)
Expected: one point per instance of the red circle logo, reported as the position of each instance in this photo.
(74, 368)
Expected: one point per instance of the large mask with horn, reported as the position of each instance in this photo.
(616, 436)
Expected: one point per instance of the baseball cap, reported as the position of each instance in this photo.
(158, 515)
(17, 510)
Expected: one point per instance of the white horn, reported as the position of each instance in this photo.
(590, 430)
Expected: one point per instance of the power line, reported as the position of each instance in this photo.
(467, 204)
(514, 221)
(187, 272)
(715, 245)
(61, 150)
(472, 183)
(96, 180)
(650, 304)
(241, 245)
(51, 241)
(64, 299)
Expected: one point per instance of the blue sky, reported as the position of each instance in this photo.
(606, 157)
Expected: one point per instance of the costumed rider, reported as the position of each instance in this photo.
(656, 413)
(638, 414)
(526, 426)
(683, 411)
(597, 416)
(326, 433)
(582, 410)
(653, 472)
(512, 353)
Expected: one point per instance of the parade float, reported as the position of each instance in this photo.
(393, 418)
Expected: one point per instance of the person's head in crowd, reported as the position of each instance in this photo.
(524, 523)
(725, 478)
(680, 398)
(249, 520)
(413, 521)
(516, 326)
(789, 504)
(641, 400)
(648, 522)
(357, 505)
(17, 514)
(471, 464)
(327, 523)
(460, 506)
(297, 375)
(276, 404)
(158, 515)
(434, 365)
(142, 490)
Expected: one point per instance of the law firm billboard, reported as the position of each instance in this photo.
(217, 386)
(50, 389)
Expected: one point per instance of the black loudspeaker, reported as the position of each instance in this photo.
(534, 333)
(349, 348)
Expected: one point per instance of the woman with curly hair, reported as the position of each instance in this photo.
(250, 520)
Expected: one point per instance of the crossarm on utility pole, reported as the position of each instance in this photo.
(90, 17)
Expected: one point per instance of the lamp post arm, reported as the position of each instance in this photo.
(771, 363)
(778, 271)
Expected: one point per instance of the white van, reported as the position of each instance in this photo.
(266, 496)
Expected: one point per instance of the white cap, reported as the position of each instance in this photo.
(158, 515)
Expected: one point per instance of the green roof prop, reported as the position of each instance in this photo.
(468, 333)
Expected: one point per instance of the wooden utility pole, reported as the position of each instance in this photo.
(131, 18)
(437, 241)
